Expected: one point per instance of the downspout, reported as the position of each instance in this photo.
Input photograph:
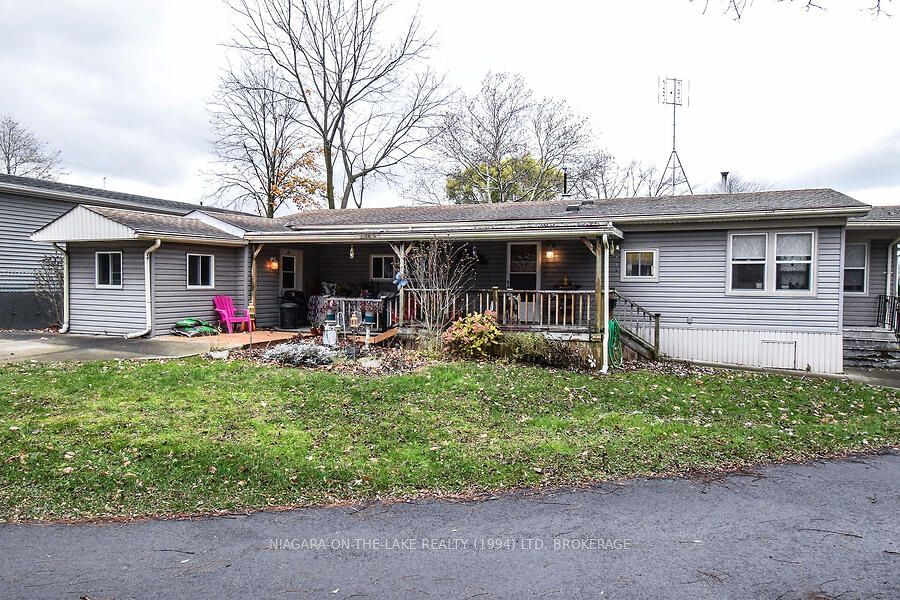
(64, 326)
(605, 364)
(148, 293)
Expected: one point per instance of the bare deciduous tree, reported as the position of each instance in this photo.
(48, 285)
(440, 272)
(502, 145)
(597, 174)
(734, 183)
(369, 103)
(263, 156)
(23, 154)
(736, 8)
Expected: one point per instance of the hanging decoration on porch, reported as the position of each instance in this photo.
(400, 281)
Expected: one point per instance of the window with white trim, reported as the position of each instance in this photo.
(793, 261)
(639, 265)
(108, 270)
(383, 267)
(856, 263)
(772, 262)
(748, 261)
(201, 271)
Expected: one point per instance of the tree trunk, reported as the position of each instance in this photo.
(329, 174)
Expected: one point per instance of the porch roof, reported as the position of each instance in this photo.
(879, 216)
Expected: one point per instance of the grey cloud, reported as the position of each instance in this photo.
(76, 73)
(876, 166)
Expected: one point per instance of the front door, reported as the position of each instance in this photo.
(291, 270)
(523, 266)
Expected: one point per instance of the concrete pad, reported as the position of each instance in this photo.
(53, 347)
(880, 377)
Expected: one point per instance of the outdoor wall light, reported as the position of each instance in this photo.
(551, 252)
(352, 252)
(273, 263)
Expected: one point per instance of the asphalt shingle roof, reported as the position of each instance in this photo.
(156, 223)
(701, 204)
(251, 222)
(109, 197)
(878, 214)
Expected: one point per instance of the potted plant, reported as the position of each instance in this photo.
(369, 308)
(331, 306)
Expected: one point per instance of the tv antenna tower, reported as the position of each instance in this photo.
(670, 92)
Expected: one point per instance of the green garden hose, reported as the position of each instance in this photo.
(615, 344)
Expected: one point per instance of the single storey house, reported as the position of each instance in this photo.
(28, 204)
(768, 279)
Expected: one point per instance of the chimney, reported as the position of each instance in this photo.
(724, 181)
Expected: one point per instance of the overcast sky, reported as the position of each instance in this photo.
(800, 99)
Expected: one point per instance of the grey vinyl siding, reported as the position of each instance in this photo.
(692, 278)
(174, 301)
(106, 311)
(861, 311)
(19, 256)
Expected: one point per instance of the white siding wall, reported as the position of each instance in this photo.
(818, 352)
(107, 311)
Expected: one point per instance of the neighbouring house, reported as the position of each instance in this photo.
(28, 204)
(768, 279)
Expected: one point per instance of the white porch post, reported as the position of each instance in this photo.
(252, 308)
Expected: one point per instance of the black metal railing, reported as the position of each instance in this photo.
(888, 313)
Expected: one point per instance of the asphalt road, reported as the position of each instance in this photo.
(823, 530)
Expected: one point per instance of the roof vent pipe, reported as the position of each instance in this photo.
(724, 181)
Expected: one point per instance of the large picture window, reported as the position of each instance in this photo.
(856, 264)
(639, 265)
(748, 261)
(200, 271)
(108, 270)
(772, 263)
(383, 267)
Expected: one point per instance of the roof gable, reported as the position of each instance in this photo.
(83, 224)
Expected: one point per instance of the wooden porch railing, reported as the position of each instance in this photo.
(516, 309)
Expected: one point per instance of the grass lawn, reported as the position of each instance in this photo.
(118, 439)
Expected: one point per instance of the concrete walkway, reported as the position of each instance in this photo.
(813, 531)
(51, 347)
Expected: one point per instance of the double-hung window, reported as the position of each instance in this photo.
(771, 262)
(383, 267)
(108, 270)
(748, 261)
(200, 271)
(639, 265)
(793, 261)
(856, 264)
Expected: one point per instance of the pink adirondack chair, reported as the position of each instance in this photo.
(230, 315)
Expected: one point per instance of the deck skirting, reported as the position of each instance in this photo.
(816, 352)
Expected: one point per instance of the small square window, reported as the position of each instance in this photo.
(383, 267)
(200, 271)
(639, 265)
(108, 270)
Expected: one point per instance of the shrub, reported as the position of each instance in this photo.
(534, 349)
(473, 336)
(300, 355)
